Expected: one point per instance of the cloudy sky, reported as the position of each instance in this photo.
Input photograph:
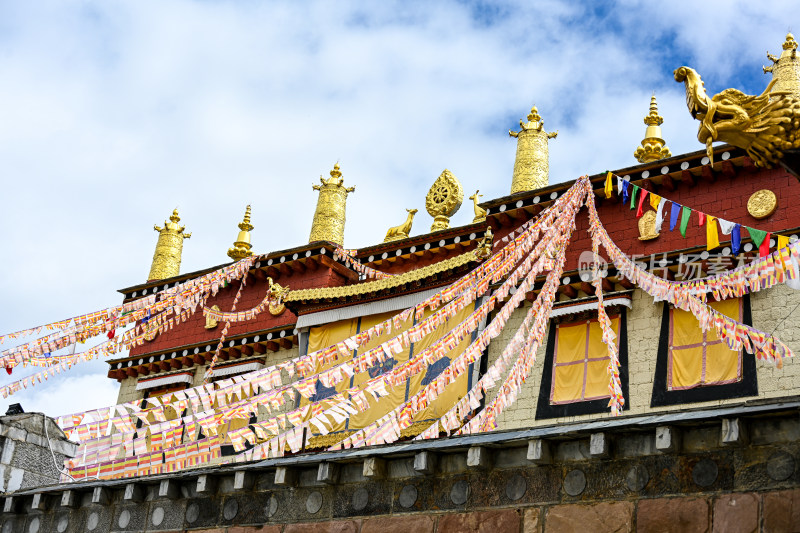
(114, 113)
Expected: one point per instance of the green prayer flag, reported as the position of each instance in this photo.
(685, 214)
(757, 235)
(633, 195)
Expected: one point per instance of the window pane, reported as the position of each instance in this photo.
(687, 367)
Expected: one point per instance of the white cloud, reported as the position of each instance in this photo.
(112, 114)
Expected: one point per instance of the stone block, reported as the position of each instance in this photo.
(248, 529)
(781, 510)
(10, 504)
(425, 463)
(399, 524)
(328, 473)
(285, 476)
(243, 480)
(599, 445)
(500, 521)
(733, 432)
(539, 452)
(668, 439)
(100, 496)
(39, 502)
(339, 526)
(374, 468)
(134, 492)
(597, 518)
(736, 513)
(532, 520)
(479, 458)
(169, 488)
(687, 515)
(70, 498)
(206, 484)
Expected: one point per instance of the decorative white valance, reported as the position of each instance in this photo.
(169, 379)
(236, 369)
(608, 301)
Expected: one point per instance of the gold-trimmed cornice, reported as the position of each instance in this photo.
(381, 284)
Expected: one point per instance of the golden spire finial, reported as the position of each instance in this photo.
(241, 247)
(169, 248)
(329, 217)
(785, 69)
(532, 164)
(653, 146)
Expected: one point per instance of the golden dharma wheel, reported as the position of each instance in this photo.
(762, 204)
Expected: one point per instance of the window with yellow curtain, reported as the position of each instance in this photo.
(574, 376)
(580, 361)
(699, 358)
(696, 366)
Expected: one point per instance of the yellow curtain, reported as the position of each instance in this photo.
(700, 358)
(580, 362)
(453, 392)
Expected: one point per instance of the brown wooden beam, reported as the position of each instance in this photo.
(708, 174)
(728, 170)
(625, 282)
(588, 288)
(234, 353)
(155, 366)
(176, 363)
(648, 185)
(273, 346)
(688, 178)
(312, 264)
(504, 219)
(273, 272)
(187, 361)
(247, 350)
(668, 183)
(260, 275)
(298, 267)
(608, 285)
(286, 343)
(285, 269)
(568, 290)
(164, 365)
(259, 348)
(198, 359)
(131, 371)
(338, 268)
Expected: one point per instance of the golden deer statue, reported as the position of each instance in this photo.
(480, 213)
(401, 232)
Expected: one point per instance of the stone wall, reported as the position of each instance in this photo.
(703, 472)
(30, 452)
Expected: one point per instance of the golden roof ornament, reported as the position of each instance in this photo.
(443, 200)
(653, 146)
(329, 218)
(764, 126)
(532, 164)
(786, 68)
(242, 245)
(402, 231)
(167, 257)
(480, 213)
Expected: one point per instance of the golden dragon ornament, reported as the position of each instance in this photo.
(765, 126)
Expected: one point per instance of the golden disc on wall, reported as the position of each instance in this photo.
(762, 204)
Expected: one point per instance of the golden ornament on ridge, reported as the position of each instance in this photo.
(480, 213)
(169, 248)
(402, 231)
(443, 200)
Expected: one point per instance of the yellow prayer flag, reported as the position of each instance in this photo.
(712, 237)
(654, 200)
(609, 185)
(783, 242)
